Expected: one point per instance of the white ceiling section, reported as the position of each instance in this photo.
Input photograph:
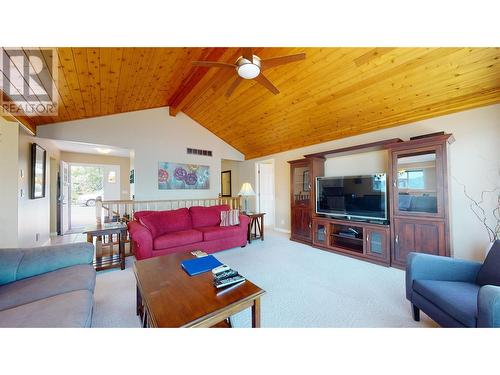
(89, 148)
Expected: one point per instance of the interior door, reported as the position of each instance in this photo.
(266, 191)
(65, 197)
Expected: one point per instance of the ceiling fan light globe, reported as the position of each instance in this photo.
(248, 71)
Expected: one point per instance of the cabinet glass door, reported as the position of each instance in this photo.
(301, 186)
(417, 183)
(320, 233)
(376, 243)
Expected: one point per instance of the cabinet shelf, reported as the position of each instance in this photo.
(370, 243)
(346, 237)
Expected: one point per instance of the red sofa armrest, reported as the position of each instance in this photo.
(142, 240)
(244, 221)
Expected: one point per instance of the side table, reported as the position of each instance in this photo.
(108, 229)
(256, 226)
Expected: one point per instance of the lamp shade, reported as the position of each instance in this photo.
(246, 190)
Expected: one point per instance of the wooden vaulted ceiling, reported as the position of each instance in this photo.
(334, 93)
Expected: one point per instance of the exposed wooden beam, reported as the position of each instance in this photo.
(23, 119)
(195, 76)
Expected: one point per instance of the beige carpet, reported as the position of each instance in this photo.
(306, 287)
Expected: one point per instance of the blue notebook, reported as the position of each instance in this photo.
(199, 265)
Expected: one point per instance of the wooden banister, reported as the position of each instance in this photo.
(115, 210)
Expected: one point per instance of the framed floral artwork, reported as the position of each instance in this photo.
(173, 176)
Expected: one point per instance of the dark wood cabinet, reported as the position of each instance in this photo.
(377, 243)
(417, 193)
(361, 240)
(301, 223)
(422, 236)
(419, 198)
(320, 232)
(303, 174)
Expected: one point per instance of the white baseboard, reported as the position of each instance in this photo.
(282, 230)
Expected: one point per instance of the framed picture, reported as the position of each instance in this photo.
(306, 181)
(183, 176)
(132, 176)
(38, 169)
(225, 181)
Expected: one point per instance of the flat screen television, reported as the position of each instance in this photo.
(353, 197)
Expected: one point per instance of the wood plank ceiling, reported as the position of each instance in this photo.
(334, 93)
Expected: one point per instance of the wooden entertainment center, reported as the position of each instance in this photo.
(417, 203)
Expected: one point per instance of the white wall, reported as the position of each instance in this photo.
(34, 214)
(474, 161)
(233, 166)
(153, 136)
(9, 135)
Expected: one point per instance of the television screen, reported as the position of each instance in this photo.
(361, 197)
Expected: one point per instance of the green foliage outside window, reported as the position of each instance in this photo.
(85, 180)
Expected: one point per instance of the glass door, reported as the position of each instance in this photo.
(376, 243)
(418, 182)
(320, 233)
(301, 185)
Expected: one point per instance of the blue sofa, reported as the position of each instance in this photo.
(453, 292)
(51, 286)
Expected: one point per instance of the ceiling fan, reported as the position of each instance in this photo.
(250, 66)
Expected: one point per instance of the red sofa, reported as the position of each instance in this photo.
(155, 233)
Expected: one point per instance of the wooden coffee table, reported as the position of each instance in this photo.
(168, 297)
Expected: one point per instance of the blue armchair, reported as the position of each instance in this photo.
(453, 292)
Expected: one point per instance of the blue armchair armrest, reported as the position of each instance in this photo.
(432, 267)
(17, 264)
(488, 306)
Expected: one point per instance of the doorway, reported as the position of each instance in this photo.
(86, 183)
(265, 195)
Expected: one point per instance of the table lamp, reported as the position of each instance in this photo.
(246, 191)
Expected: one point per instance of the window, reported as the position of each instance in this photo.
(412, 179)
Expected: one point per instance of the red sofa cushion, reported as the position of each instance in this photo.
(162, 222)
(179, 238)
(207, 216)
(139, 214)
(216, 233)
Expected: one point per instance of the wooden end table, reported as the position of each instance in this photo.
(108, 229)
(168, 297)
(255, 225)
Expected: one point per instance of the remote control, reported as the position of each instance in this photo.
(220, 269)
(229, 281)
(225, 275)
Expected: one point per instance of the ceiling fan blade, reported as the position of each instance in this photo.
(247, 53)
(275, 61)
(267, 84)
(235, 84)
(213, 64)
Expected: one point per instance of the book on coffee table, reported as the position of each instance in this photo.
(199, 265)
